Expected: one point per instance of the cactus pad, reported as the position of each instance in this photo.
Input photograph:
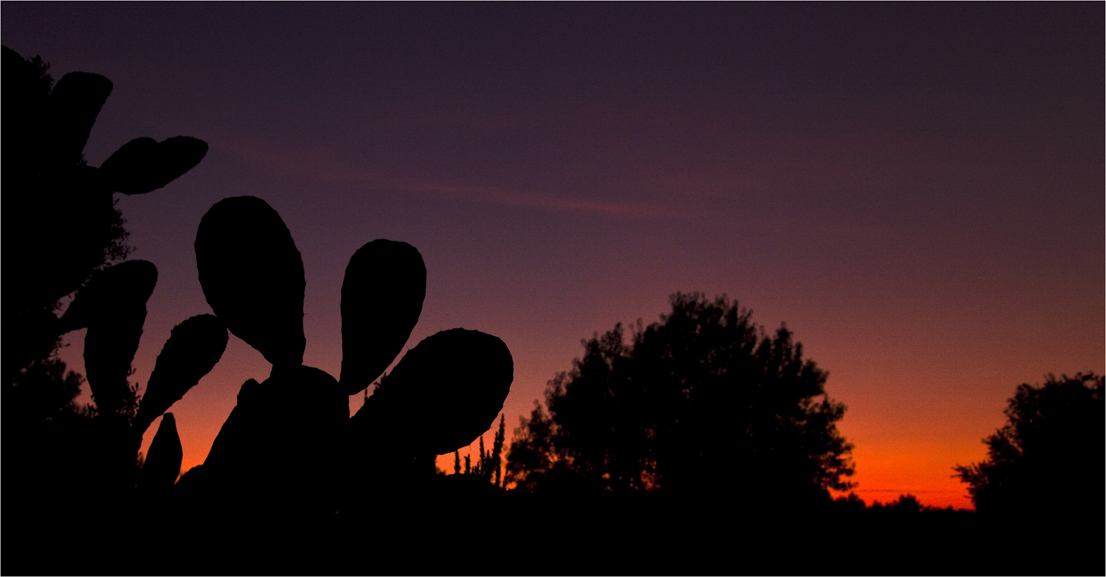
(453, 383)
(143, 164)
(252, 276)
(382, 297)
(192, 350)
(113, 307)
(163, 462)
(75, 103)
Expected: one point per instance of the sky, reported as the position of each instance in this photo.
(916, 190)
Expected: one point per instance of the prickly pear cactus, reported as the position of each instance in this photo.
(252, 276)
(290, 439)
(193, 349)
(457, 381)
(62, 212)
(162, 466)
(62, 207)
(382, 297)
(112, 306)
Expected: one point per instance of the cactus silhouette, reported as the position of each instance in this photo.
(286, 439)
(287, 447)
(162, 466)
(193, 349)
(457, 379)
(112, 306)
(68, 230)
(62, 207)
(382, 297)
(252, 276)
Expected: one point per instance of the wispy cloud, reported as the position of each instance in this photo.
(515, 197)
(319, 165)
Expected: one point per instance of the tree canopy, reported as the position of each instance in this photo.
(1047, 458)
(704, 402)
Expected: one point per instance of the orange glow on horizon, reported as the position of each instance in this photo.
(918, 459)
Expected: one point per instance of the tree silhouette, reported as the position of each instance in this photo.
(702, 403)
(1041, 485)
(1046, 461)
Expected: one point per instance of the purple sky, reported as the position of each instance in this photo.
(917, 190)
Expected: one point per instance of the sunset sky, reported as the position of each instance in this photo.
(916, 190)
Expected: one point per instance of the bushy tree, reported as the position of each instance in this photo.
(1047, 460)
(704, 402)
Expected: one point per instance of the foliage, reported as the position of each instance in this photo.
(45, 390)
(703, 402)
(1047, 458)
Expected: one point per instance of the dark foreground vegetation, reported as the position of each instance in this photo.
(455, 530)
(704, 445)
